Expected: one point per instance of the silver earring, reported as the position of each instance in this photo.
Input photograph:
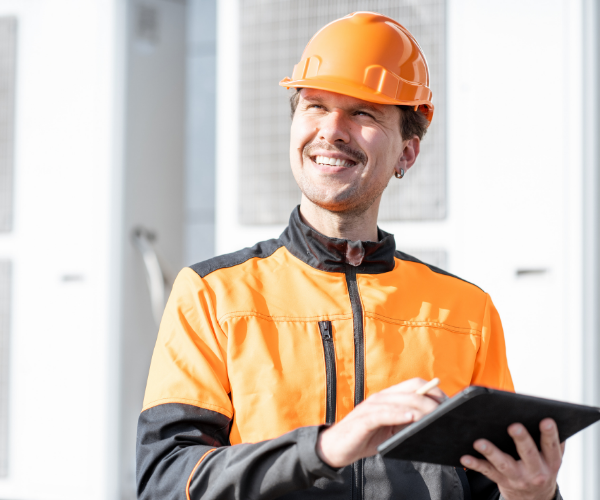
(399, 175)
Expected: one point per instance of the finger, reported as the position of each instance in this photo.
(385, 415)
(376, 418)
(526, 447)
(407, 386)
(423, 404)
(502, 462)
(397, 428)
(482, 466)
(437, 395)
(551, 449)
(412, 385)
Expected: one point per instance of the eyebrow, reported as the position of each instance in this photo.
(317, 99)
(368, 107)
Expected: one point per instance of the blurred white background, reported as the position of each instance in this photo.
(125, 154)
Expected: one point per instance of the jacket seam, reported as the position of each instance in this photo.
(239, 263)
(212, 307)
(189, 481)
(291, 319)
(432, 324)
(192, 402)
(434, 269)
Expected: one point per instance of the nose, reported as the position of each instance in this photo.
(334, 127)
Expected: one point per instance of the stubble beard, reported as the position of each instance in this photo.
(352, 200)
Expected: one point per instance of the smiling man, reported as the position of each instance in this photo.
(280, 368)
(343, 153)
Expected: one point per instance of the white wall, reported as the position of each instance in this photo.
(591, 236)
(100, 130)
(61, 249)
(515, 183)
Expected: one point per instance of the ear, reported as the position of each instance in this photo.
(410, 151)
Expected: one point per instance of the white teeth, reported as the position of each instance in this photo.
(325, 160)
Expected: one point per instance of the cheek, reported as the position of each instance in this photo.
(301, 133)
(376, 145)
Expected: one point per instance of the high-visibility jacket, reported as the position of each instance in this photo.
(259, 348)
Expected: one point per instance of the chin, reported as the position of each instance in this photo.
(341, 202)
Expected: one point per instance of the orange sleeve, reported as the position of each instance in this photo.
(189, 363)
(491, 365)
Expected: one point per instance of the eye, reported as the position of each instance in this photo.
(363, 113)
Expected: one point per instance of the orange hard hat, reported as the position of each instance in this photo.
(367, 56)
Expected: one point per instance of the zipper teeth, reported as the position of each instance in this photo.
(359, 368)
(359, 348)
(330, 372)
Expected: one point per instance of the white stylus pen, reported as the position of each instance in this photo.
(428, 386)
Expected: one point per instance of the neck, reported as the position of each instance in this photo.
(347, 226)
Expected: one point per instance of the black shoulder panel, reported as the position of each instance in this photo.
(261, 250)
(410, 258)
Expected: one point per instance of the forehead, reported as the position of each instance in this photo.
(347, 102)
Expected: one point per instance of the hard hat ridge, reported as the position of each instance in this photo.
(368, 56)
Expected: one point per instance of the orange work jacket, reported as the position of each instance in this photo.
(294, 333)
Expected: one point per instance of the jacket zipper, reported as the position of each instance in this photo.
(359, 369)
(464, 480)
(329, 351)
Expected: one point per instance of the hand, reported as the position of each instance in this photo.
(376, 419)
(531, 478)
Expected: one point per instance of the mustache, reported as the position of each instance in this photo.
(354, 154)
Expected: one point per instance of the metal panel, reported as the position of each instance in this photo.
(153, 197)
(273, 36)
(591, 241)
(200, 129)
(8, 40)
(5, 287)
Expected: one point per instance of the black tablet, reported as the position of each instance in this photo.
(448, 433)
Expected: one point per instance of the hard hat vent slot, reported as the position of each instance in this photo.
(307, 68)
(384, 82)
(312, 68)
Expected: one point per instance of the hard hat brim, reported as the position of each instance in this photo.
(352, 90)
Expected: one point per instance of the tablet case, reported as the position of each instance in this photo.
(448, 433)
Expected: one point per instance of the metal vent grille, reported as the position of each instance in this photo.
(274, 34)
(8, 40)
(5, 287)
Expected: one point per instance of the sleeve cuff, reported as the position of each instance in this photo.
(307, 450)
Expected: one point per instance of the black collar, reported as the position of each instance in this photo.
(336, 255)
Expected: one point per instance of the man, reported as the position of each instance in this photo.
(279, 369)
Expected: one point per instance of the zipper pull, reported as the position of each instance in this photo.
(325, 327)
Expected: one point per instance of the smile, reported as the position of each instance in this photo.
(338, 162)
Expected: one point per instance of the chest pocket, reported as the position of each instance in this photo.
(278, 376)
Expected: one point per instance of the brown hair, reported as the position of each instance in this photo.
(411, 122)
